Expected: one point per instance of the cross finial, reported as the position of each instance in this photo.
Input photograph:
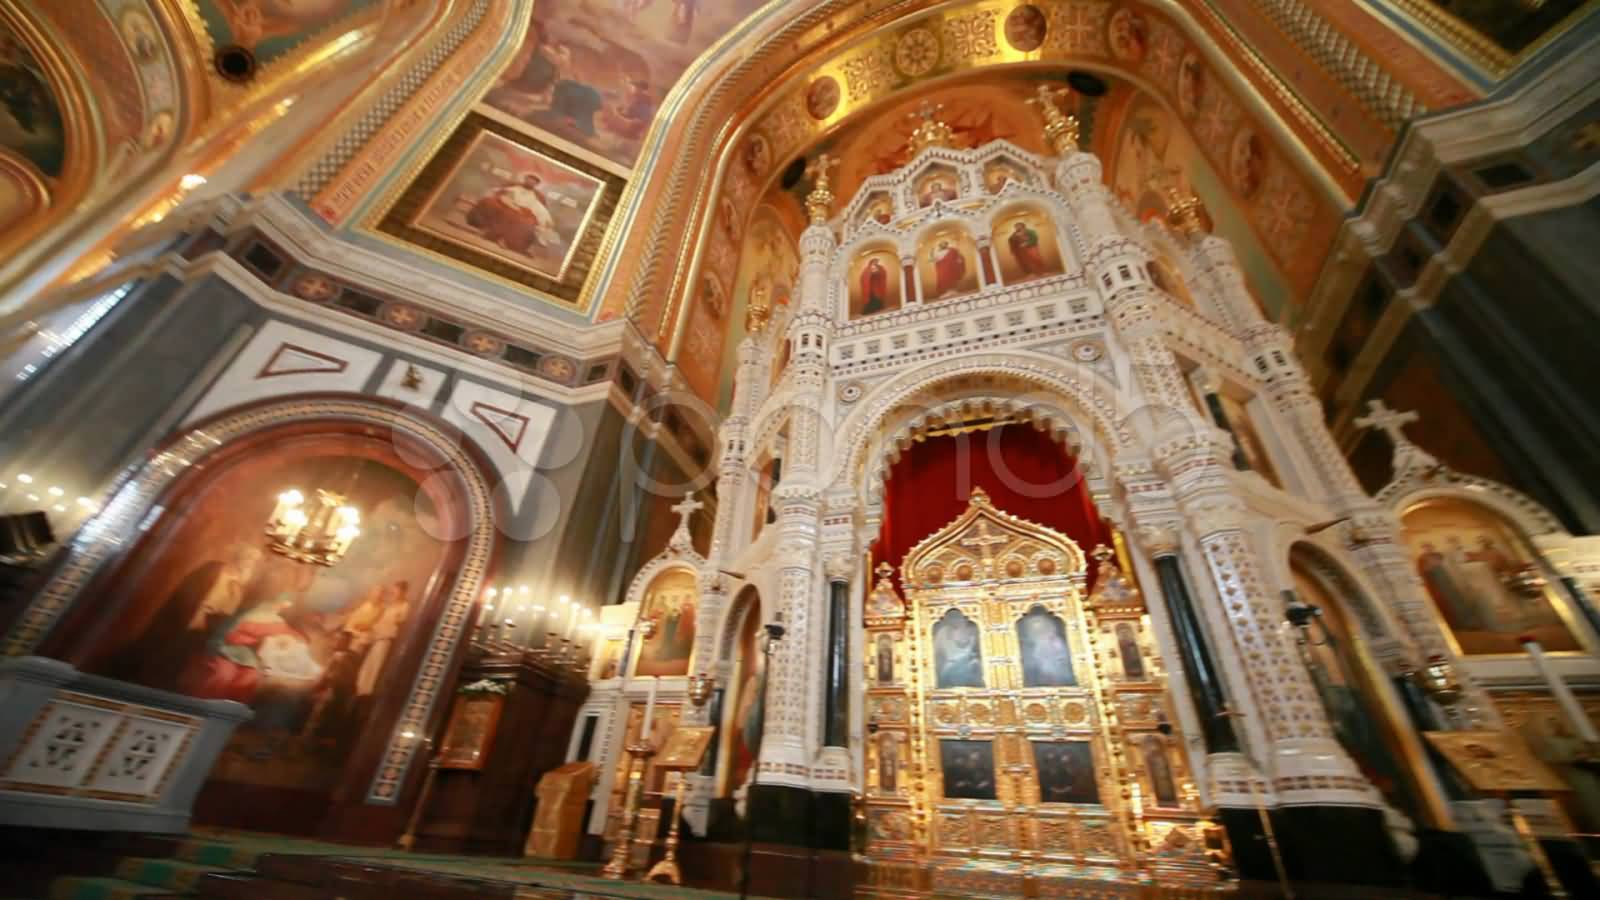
(684, 508)
(1392, 422)
(1060, 129)
(819, 203)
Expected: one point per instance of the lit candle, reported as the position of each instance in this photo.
(649, 709)
(1558, 688)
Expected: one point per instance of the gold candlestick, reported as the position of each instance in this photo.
(617, 868)
(667, 869)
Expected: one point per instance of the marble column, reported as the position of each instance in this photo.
(1199, 665)
(836, 707)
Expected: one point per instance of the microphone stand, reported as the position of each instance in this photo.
(775, 632)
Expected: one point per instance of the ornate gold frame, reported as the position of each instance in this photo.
(996, 568)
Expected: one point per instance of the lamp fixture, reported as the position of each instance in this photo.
(319, 532)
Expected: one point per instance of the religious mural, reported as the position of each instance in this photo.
(957, 652)
(1334, 663)
(768, 273)
(1158, 770)
(947, 264)
(1482, 578)
(272, 28)
(968, 769)
(1152, 142)
(1128, 653)
(937, 184)
(213, 613)
(1065, 770)
(513, 203)
(875, 278)
(1026, 243)
(669, 603)
(744, 718)
(595, 74)
(1247, 438)
(1046, 653)
(30, 113)
(1001, 172)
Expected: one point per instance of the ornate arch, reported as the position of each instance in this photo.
(1329, 563)
(1085, 397)
(99, 542)
(698, 120)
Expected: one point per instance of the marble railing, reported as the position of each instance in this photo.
(85, 752)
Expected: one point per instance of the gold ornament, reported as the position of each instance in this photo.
(931, 132)
(819, 203)
(1060, 129)
(1185, 212)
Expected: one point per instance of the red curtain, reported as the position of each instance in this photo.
(1025, 472)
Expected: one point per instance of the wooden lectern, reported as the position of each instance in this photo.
(558, 823)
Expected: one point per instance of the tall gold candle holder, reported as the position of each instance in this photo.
(617, 868)
(683, 752)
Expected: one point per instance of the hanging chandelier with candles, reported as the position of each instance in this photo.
(319, 532)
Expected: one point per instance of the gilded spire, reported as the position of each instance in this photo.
(819, 203)
(1185, 212)
(931, 132)
(758, 311)
(1060, 129)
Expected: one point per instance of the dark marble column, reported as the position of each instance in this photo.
(1220, 416)
(1199, 669)
(836, 707)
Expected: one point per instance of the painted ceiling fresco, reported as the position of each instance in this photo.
(595, 74)
(272, 28)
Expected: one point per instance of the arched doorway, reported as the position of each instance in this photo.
(741, 718)
(1366, 716)
(341, 664)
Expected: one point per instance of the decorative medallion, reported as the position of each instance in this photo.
(916, 53)
(1247, 162)
(1087, 350)
(757, 155)
(850, 392)
(402, 316)
(1075, 713)
(933, 574)
(558, 368)
(483, 343)
(822, 98)
(315, 288)
(1036, 712)
(1191, 83)
(1128, 34)
(1014, 568)
(1047, 566)
(964, 572)
(1026, 27)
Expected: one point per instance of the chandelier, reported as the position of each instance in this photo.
(318, 532)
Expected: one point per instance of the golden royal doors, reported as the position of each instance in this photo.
(1019, 733)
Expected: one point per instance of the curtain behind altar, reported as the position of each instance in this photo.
(1025, 472)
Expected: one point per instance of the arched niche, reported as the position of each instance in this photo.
(742, 698)
(947, 263)
(875, 282)
(1483, 576)
(1003, 171)
(343, 665)
(1025, 243)
(937, 183)
(1362, 706)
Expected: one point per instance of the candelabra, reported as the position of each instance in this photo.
(318, 533)
(617, 868)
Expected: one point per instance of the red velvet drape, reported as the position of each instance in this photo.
(1025, 472)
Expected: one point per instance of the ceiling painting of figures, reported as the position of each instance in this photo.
(594, 74)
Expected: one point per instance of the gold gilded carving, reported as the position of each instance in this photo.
(972, 37)
(917, 52)
(1075, 713)
(1495, 761)
(868, 71)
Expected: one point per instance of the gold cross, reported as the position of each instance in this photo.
(982, 539)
